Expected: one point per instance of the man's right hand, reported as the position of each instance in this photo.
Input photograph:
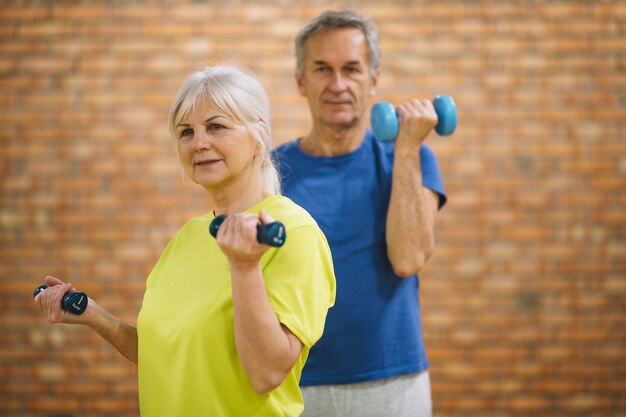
(417, 118)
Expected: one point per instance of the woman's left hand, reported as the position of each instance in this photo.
(237, 238)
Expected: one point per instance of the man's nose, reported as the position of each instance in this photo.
(337, 83)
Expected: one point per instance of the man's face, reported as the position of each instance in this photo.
(336, 79)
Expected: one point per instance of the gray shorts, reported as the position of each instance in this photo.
(403, 396)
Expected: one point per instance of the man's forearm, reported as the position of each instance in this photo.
(410, 218)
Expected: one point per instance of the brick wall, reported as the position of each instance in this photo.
(525, 296)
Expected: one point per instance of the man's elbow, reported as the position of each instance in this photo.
(407, 266)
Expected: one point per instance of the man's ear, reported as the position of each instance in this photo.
(374, 82)
(299, 82)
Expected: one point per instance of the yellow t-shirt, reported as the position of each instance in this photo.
(188, 363)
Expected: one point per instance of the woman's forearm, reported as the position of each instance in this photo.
(122, 336)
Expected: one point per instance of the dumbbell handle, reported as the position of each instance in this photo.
(272, 234)
(74, 302)
(384, 118)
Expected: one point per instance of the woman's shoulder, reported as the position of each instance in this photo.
(193, 225)
(288, 212)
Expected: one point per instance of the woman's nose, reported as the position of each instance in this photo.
(201, 141)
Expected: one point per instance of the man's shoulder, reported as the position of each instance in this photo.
(286, 148)
(288, 159)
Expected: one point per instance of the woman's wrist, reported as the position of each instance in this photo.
(243, 269)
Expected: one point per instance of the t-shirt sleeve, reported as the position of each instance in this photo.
(300, 282)
(431, 177)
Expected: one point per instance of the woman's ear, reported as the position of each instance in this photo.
(257, 149)
(265, 131)
(265, 127)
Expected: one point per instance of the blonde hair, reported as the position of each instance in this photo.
(238, 93)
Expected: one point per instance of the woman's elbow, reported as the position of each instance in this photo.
(268, 381)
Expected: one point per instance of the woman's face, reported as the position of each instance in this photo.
(215, 150)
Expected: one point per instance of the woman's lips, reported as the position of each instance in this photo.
(206, 162)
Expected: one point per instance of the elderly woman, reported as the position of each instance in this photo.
(227, 323)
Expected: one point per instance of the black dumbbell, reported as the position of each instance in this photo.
(272, 234)
(384, 118)
(74, 302)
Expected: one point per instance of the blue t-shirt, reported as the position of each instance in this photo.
(374, 331)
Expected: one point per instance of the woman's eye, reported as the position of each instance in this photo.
(215, 126)
(186, 133)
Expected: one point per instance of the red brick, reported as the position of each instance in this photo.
(58, 404)
(527, 403)
(16, 13)
(82, 13)
(107, 405)
(45, 65)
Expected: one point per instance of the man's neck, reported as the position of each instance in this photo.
(328, 141)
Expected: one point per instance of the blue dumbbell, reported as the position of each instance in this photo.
(272, 234)
(385, 119)
(74, 302)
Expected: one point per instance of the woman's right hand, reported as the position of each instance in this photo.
(50, 302)
(237, 239)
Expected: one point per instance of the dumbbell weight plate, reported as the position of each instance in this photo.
(446, 113)
(384, 120)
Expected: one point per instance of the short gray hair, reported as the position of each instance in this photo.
(238, 93)
(342, 19)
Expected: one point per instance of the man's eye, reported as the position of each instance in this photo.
(321, 69)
